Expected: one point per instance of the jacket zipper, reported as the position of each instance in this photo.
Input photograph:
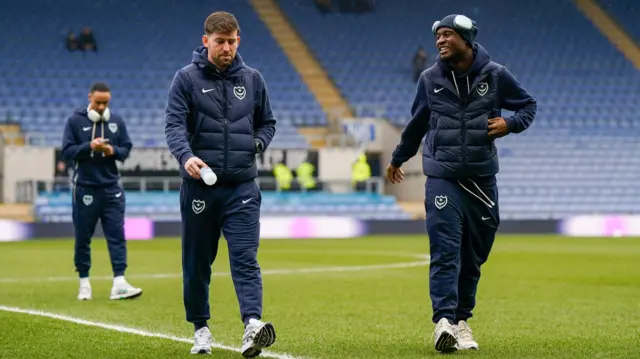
(463, 109)
(226, 126)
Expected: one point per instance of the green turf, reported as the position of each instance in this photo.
(540, 297)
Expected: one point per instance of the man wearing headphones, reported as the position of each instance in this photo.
(94, 139)
(458, 106)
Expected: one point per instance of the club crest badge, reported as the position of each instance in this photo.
(197, 206)
(87, 199)
(441, 202)
(239, 91)
(482, 88)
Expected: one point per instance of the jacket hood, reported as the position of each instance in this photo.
(201, 58)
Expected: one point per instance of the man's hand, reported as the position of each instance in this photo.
(394, 174)
(98, 144)
(497, 127)
(193, 166)
(108, 150)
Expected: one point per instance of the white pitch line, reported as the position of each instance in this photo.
(226, 274)
(128, 330)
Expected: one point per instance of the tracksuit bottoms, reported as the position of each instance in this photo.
(106, 204)
(208, 211)
(462, 220)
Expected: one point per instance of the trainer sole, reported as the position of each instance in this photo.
(264, 338)
(447, 343)
(202, 352)
(121, 297)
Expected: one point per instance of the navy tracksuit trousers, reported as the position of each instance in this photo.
(462, 220)
(106, 204)
(234, 210)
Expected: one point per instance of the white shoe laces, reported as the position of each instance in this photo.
(125, 286)
(202, 337)
(250, 332)
(465, 332)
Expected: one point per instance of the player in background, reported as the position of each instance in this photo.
(218, 118)
(458, 107)
(94, 139)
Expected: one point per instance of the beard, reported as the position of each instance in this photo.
(223, 60)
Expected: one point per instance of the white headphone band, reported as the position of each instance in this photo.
(461, 22)
(94, 116)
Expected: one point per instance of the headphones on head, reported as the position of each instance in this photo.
(460, 22)
(94, 116)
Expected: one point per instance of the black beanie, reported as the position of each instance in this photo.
(464, 26)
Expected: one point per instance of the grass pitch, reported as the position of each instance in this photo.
(540, 297)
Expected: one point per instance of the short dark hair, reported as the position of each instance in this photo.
(221, 22)
(100, 87)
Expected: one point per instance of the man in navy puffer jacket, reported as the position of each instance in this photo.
(219, 116)
(458, 107)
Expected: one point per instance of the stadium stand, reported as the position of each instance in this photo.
(371, 63)
(588, 105)
(139, 49)
(574, 160)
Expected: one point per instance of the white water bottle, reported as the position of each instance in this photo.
(208, 176)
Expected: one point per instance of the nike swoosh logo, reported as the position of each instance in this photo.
(246, 200)
(118, 194)
(485, 218)
(205, 91)
(438, 90)
(86, 128)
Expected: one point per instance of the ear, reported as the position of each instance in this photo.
(238, 41)
(205, 40)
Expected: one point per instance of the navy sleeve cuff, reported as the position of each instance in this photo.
(511, 124)
(185, 157)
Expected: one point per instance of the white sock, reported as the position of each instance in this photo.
(119, 280)
(84, 282)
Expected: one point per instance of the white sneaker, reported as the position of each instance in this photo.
(84, 293)
(465, 337)
(444, 336)
(202, 341)
(257, 335)
(123, 290)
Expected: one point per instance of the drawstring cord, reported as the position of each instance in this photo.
(93, 134)
(489, 203)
